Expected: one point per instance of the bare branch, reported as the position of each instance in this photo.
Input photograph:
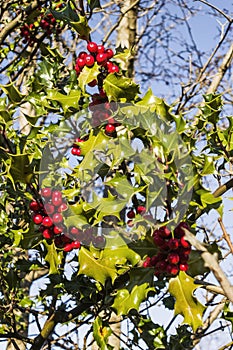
(216, 9)
(226, 236)
(212, 263)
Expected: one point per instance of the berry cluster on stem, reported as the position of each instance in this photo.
(47, 214)
(44, 23)
(173, 251)
(98, 53)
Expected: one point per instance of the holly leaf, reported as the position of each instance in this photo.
(118, 87)
(87, 75)
(81, 26)
(112, 261)
(123, 187)
(12, 92)
(53, 257)
(66, 101)
(21, 170)
(101, 334)
(187, 305)
(95, 268)
(136, 292)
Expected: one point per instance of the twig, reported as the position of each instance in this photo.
(217, 9)
(120, 19)
(212, 263)
(226, 236)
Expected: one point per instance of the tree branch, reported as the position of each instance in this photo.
(15, 22)
(212, 263)
(58, 316)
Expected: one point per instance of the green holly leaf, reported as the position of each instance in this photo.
(123, 56)
(53, 257)
(81, 26)
(78, 22)
(129, 298)
(187, 305)
(112, 261)
(95, 268)
(120, 88)
(87, 75)
(123, 187)
(21, 170)
(101, 334)
(12, 92)
(66, 101)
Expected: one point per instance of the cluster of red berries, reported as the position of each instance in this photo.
(76, 150)
(47, 25)
(173, 252)
(97, 53)
(140, 209)
(48, 215)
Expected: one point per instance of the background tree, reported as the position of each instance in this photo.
(44, 88)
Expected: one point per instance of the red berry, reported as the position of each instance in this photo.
(147, 263)
(37, 219)
(141, 209)
(57, 230)
(173, 243)
(46, 192)
(49, 208)
(173, 258)
(89, 60)
(183, 267)
(76, 151)
(113, 69)
(82, 54)
(76, 244)
(131, 214)
(81, 62)
(57, 218)
(159, 241)
(99, 242)
(184, 243)
(63, 207)
(68, 247)
(164, 232)
(110, 128)
(65, 239)
(93, 83)
(92, 47)
(57, 193)
(47, 234)
(77, 69)
(172, 270)
(100, 49)
(109, 65)
(34, 205)
(161, 266)
(154, 260)
(74, 230)
(101, 58)
(47, 221)
(58, 242)
(179, 232)
(109, 53)
(57, 201)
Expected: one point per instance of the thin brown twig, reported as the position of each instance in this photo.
(226, 236)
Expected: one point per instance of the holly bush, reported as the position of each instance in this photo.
(102, 194)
